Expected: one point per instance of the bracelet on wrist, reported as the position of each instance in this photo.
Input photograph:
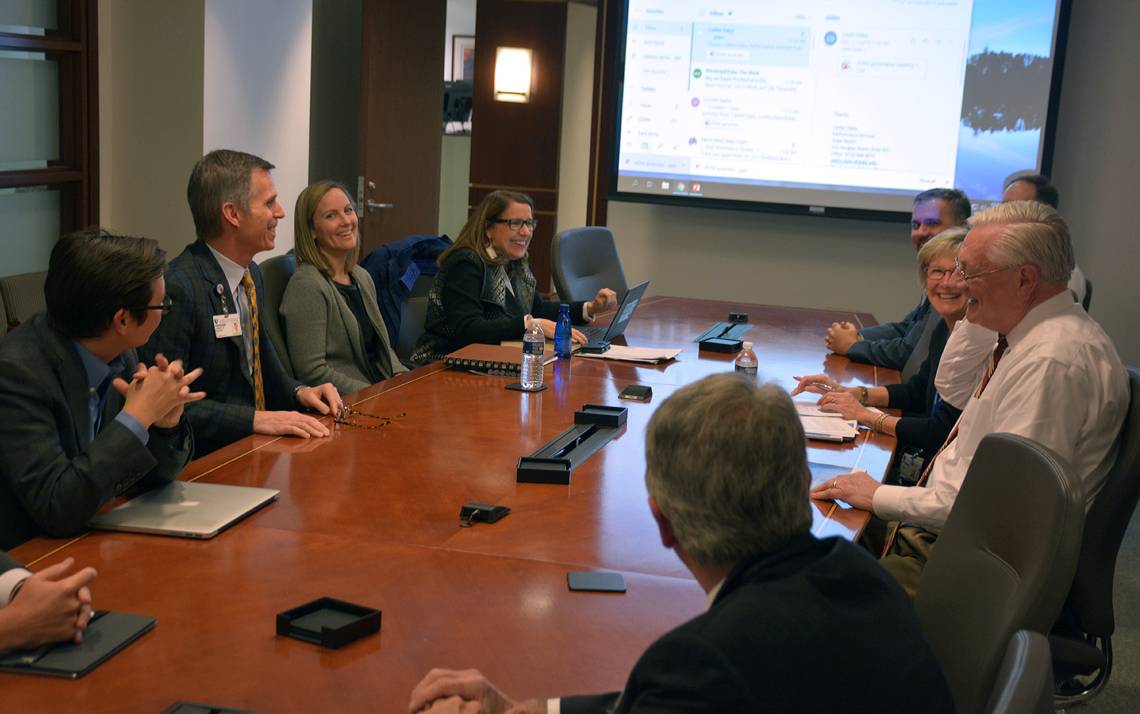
(864, 396)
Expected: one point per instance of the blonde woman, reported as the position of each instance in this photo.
(333, 328)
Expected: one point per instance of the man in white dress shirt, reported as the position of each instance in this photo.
(1058, 379)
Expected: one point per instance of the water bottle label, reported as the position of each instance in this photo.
(534, 348)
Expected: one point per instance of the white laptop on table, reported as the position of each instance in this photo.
(187, 509)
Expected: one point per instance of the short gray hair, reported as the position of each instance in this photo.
(948, 242)
(1033, 234)
(220, 177)
(726, 464)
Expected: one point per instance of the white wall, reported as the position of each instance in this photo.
(577, 105)
(150, 117)
(257, 64)
(460, 21)
(823, 262)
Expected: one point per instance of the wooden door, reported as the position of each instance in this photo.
(401, 103)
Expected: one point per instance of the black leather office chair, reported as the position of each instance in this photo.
(585, 260)
(275, 274)
(1082, 639)
(1003, 562)
(1025, 681)
(412, 316)
(23, 296)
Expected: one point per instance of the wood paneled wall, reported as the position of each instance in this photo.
(515, 146)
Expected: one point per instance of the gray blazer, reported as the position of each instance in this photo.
(322, 335)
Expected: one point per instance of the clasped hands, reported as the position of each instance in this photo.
(156, 395)
(840, 336)
(51, 606)
(856, 488)
(448, 691)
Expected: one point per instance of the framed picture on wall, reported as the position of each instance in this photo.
(463, 58)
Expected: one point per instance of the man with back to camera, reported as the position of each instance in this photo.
(891, 344)
(730, 497)
(71, 441)
(1037, 187)
(1053, 377)
(54, 605)
(214, 324)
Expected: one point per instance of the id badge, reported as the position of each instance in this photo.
(228, 325)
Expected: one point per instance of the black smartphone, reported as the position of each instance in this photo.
(636, 393)
(596, 582)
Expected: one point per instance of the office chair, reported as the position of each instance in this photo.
(1003, 562)
(1025, 681)
(1082, 639)
(585, 260)
(412, 315)
(275, 274)
(23, 296)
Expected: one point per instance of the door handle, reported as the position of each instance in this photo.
(373, 205)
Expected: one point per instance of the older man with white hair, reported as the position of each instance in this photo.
(1053, 376)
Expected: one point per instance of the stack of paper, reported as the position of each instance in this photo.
(647, 355)
(825, 426)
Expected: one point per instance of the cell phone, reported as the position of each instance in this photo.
(636, 392)
(596, 582)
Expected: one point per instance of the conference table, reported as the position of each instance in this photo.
(371, 516)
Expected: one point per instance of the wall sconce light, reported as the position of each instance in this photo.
(512, 74)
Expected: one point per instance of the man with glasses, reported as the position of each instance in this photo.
(892, 344)
(1053, 376)
(81, 419)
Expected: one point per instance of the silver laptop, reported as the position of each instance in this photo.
(186, 509)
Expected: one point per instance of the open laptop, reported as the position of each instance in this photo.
(186, 509)
(600, 337)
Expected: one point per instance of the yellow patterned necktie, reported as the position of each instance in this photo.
(255, 346)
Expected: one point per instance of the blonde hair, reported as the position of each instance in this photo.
(304, 234)
(948, 242)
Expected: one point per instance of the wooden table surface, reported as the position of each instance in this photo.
(371, 516)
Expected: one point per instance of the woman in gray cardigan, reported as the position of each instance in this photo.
(333, 329)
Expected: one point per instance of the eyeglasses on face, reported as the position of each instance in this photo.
(167, 303)
(937, 274)
(516, 224)
(967, 277)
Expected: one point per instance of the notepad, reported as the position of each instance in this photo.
(828, 428)
(645, 355)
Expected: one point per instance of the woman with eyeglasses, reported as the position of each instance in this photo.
(332, 324)
(926, 420)
(485, 291)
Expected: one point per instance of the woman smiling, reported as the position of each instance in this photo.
(333, 328)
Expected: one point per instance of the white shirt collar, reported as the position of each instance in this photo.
(233, 272)
(712, 594)
(1060, 303)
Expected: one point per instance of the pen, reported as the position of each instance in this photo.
(822, 385)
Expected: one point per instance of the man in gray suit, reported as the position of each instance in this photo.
(81, 419)
(214, 323)
(53, 605)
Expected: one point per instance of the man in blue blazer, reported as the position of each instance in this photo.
(213, 323)
(794, 624)
(81, 420)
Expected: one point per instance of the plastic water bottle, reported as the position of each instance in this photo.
(746, 362)
(534, 343)
(562, 333)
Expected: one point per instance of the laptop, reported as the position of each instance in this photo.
(186, 509)
(601, 337)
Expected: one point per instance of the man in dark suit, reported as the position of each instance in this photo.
(54, 604)
(214, 324)
(794, 624)
(71, 442)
